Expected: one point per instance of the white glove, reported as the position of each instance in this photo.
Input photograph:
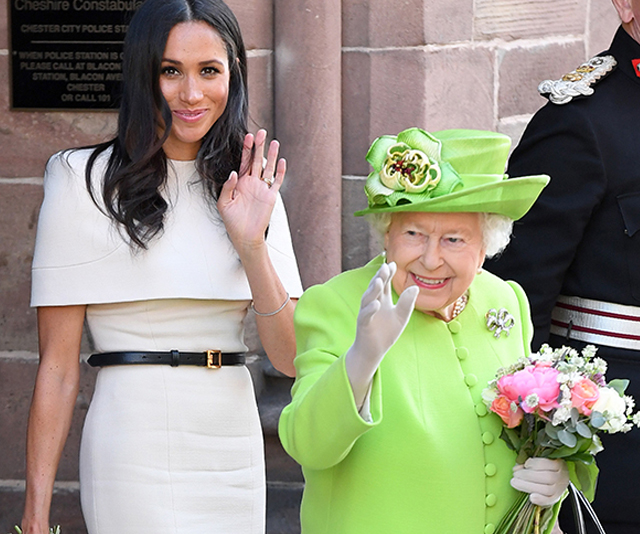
(379, 326)
(545, 480)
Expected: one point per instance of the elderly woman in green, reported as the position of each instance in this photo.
(386, 417)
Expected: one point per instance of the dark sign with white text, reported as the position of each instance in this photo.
(67, 54)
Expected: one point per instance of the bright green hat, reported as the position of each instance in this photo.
(447, 171)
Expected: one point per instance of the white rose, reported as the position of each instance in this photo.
(612, 406)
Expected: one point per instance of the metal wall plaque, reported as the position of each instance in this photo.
(67, 54)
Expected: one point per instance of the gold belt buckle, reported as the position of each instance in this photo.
(214, 359)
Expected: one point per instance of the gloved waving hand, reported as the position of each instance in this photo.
(545, 480)
(379, 326)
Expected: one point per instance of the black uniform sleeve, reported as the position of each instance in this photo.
(559, 141)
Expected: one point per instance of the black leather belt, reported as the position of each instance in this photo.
(212, 359)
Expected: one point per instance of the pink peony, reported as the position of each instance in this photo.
(539, 381)
(504, 408)
(584, 395)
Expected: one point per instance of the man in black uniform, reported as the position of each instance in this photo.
(577, 252)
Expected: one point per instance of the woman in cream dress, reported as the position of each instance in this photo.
(161, 239)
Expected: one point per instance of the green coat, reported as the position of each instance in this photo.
(431, 460)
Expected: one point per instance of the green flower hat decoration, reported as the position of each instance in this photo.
(447, 171)
(408, 167)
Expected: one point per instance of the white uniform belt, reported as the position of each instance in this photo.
(600, 323)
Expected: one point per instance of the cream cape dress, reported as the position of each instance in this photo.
(164, 450)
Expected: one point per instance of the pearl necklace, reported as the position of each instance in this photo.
(459, 306)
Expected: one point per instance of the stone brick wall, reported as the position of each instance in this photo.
(429, 63)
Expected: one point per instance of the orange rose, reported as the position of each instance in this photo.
(504, 408)
(584, 395)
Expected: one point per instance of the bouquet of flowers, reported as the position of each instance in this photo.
(553, 404)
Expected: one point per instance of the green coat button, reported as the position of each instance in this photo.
(454, 327)
(489, 528)
(491, 500)
(481, 409)
(471, 380)
(462, 353)
(487, 438)
(490, 470)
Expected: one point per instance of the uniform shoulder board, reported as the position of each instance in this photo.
(578, 82)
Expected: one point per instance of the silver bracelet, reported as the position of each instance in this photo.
(273, 312)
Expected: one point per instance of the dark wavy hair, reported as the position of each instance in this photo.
(137, 165)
